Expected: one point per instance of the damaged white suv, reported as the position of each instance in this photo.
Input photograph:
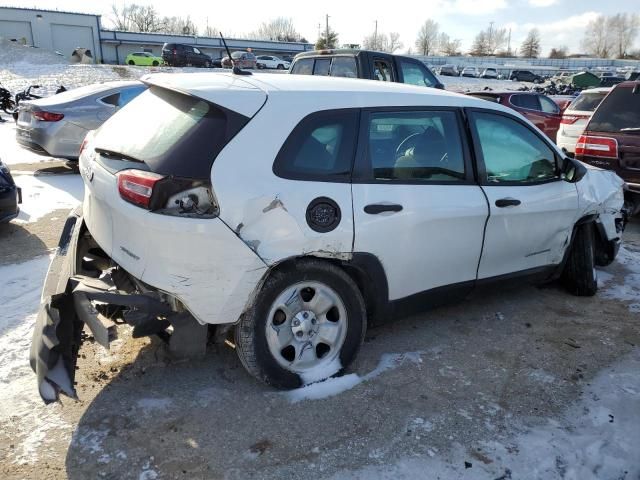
(284, 214)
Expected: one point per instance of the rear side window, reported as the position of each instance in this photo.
(620, 110)
(320, 148)
(548, 105)
(304, 66)
(415, 146)
(529, 102)
(344, 67)
(587, 102)
(112, 99)
(382, 71)
(129, 94)
(174, 134)
(322, 66)
(414, 74)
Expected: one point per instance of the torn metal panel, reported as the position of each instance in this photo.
(600, 192)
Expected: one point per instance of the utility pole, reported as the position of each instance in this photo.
(327, 32)
(375, 37)
(509, 44)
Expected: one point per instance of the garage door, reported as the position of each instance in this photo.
(11, 30)
(66, 38)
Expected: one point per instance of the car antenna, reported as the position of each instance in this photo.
(236, 70)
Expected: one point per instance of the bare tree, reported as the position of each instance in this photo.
(383, 42)
(530, 48)
(597, 38)
(480, 47)
(210, 31)
(145, 18)
(280, 28)
(394, 42)
(448, 47)
(427, 41)
(121, 17)
(496, 39)
(623, 28)
(180, 26)
(373, 41)
(559, 52)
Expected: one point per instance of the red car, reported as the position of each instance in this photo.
(611, 139)
(543, 112)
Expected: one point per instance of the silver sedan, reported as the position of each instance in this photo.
(57, 125)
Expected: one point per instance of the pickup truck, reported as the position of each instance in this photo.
(367, 64)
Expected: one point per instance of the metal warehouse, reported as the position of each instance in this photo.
(63, 32)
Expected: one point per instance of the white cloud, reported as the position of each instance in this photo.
(542, 3)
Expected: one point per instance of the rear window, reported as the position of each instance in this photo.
(529, 102)
(620, 110)
(304, 66)
(173, 133)
(587, 102)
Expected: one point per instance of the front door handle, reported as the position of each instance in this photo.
(507, 202)
(376, 208)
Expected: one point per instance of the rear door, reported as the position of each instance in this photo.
(383, 68)
(416, 206)
(532, 209)
(529, 106)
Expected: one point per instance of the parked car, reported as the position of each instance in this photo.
(10, 195)
(576, 117)
(525, 76)
(611, 138)
(469, 72)
(536, 107)
(270, 61)
(285, 251)
(241, 60)
(489, 73)
(562, 101)
(143, 59)
(611, 80)
(182, 55)
(449, 71)
(56, 125)
(365, 64)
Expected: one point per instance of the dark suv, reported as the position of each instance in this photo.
(525, 76)
(367, 64)
(611, 139)
(180, 55)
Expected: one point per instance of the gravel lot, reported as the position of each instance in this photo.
(515, 382)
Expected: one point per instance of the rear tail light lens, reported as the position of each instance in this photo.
(84, 144)
(136, 186)
(48, 116)
(571, 119)
(182, 197)
(591, 146)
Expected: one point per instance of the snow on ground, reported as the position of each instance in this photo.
(19, 399)
(46, 193)
(595, 438)
(629, 291)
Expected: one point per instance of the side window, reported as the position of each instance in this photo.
(414, 74)
(322, 66)
(548, 105)
(511, 152)
(304, 66)
(382, 70)
(321, 147)
(415, 146)
(196, 51)
(129, 94)
(530, 102)
(344, 67)
(112, 99)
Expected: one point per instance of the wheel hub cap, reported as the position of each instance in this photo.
(304, 326)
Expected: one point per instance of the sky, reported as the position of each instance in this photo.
(561, 22)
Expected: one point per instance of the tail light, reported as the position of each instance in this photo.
(82, 145)
(174, 52)
(591, 146)
(48, 116)
(571, 119)
(173, 196)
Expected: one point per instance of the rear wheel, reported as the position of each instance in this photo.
(306, 325)
(280, 66)
(155, 63)
(131, 62)
(579, 275)
(207, 64)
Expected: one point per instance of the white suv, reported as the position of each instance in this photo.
(290, 212)
(577, 115)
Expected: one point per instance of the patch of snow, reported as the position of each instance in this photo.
(147, 472)
(321, 371)
(597, 437)
(542, 376)
(151, 404)
(47, 193)
(335, 386)
(629, 290)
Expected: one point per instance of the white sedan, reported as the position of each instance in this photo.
(269, 61)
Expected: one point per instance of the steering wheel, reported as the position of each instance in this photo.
(407, 143)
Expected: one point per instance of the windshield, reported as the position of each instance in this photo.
(619, 111)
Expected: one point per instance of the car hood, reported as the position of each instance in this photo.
(600, 191)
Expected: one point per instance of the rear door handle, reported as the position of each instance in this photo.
(507, 202)
(376, 208)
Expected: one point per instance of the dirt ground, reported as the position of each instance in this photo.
(456, 392)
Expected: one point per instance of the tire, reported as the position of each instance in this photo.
(308, 281)
(516, 79)
(131, 62)
(155, 63)
(579, 275)
(207, 64)
(280, 66)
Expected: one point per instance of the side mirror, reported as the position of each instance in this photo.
(572, 170)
